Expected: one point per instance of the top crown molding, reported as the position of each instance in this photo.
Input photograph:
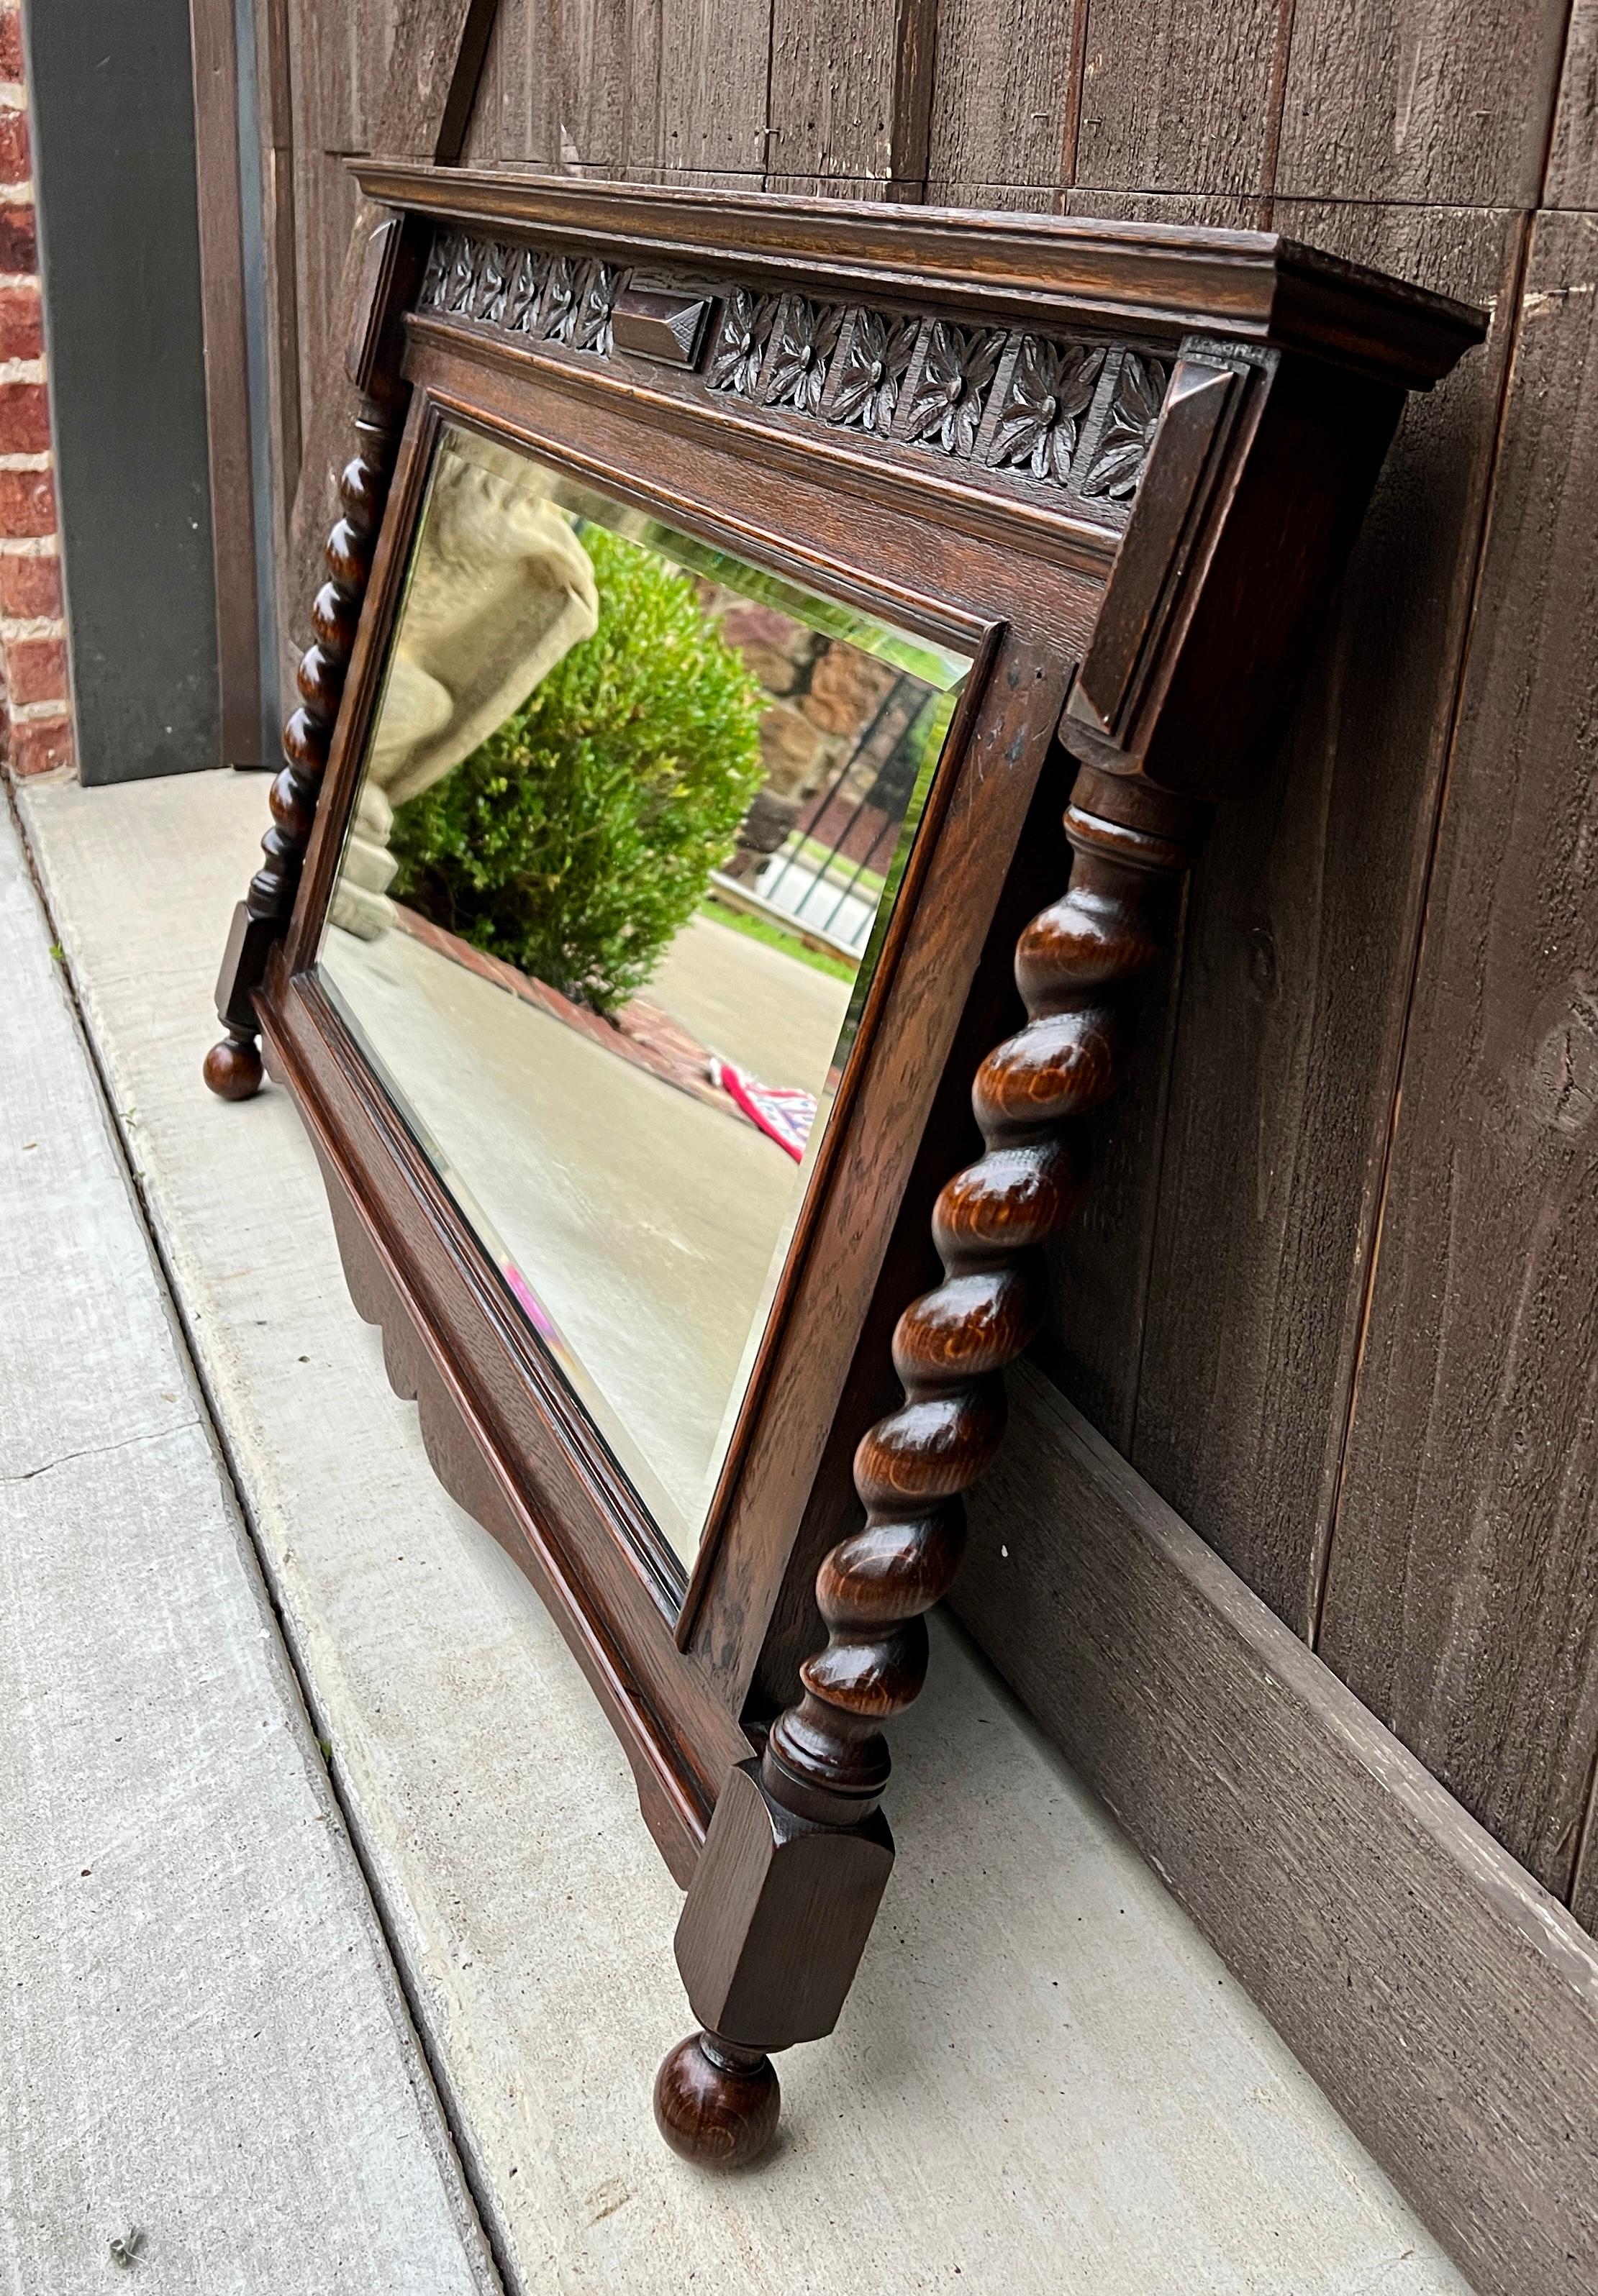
(1161, 279)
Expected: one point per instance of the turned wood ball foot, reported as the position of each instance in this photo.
(715, 2103)
(233, 1068)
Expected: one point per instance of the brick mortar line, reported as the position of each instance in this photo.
(21, 635)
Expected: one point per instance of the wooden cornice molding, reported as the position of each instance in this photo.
(1251, 287)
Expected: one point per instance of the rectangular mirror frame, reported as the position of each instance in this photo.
(566, 1496)
(1139, 597)
(434, 418)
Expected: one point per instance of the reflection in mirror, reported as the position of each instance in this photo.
(631, 821)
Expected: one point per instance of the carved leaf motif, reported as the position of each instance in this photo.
(742, 343)
(597, 298)
(440, 256)
(1051, 389)
(521, 295)
(804, 339)
(557, 314)
(945, 407)
(494, 265)
(1118, 464)
(875, 365)
(784, 351)
(463, 274)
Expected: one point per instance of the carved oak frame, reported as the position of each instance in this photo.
(1122, 467)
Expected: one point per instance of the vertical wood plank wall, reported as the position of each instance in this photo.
(1337, 1299)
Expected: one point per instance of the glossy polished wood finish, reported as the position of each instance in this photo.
(1073, 966)
(232, 1067)
(715, 2103)
(827, 1759)
(1165, 729)
(1224, 1335)
(1248, 286)
(1192, 592)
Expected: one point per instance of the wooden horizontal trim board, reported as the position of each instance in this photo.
(1251, 286)
(1445, 2003)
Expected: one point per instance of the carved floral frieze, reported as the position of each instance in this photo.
(460, 274)
(597, 289)
(740, 347)
(1051, 389)
(872, 373)
(486, 297)
(803, 343)
(553, 298)
(1074, 417)
(947, 399)
(525, 285)
(1140, 392)
(557, 316)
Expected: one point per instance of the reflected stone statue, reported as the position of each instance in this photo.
(501, 589)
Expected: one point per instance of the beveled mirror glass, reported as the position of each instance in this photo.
(629, 827)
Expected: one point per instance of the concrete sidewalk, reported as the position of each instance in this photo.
(202, 2034)
(1045, 2083)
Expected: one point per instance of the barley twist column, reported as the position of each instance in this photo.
(825, 1762)
(232, 1067)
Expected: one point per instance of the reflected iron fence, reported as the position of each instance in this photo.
(828, 872)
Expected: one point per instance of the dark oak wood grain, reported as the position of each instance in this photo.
(1421, 100)
(1006, 93)
(598, 1574)
(1447, 2006)
(994, 1012)
(850, 95)
(1295, 983)
(1099, 1266)
(567, 88)
(715, 60)
(784, 1896)
(1461, 1604)
(1411, 135)
(1187, 505)
(435, 62)
(1246, 287)
(390, 268)
(1181, 99)
(494, 1433)
(990, 1223)
(715, 2103)
(1572, 173)
(1229, 485)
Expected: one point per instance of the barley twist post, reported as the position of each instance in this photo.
(825, 1761)
(232, 1067)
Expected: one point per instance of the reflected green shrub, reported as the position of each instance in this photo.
(580, 838)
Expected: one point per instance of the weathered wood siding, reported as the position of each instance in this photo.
(1338, 1299)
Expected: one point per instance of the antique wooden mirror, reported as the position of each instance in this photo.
(733, 598)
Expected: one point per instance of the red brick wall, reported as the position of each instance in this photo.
(36, 709)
